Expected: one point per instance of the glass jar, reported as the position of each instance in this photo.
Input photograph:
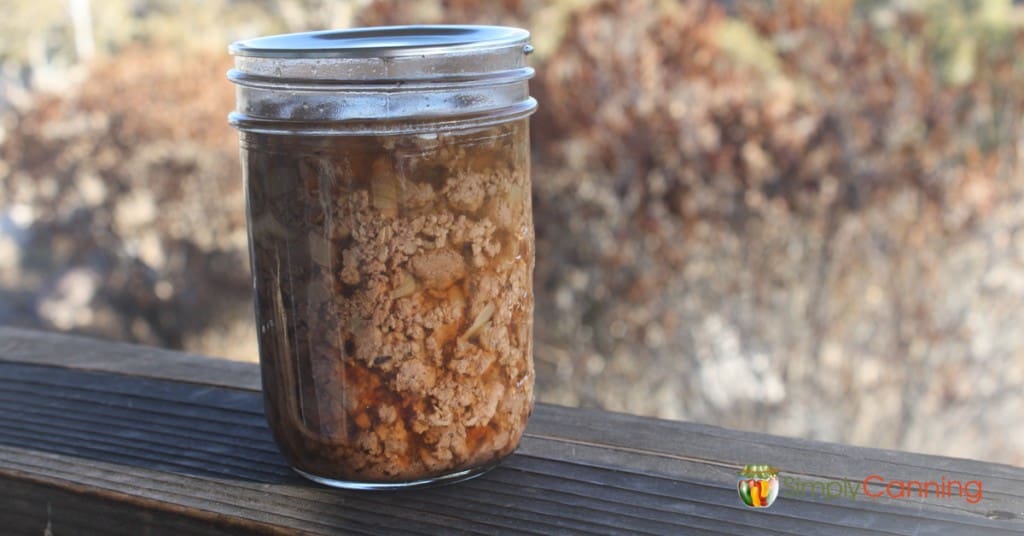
(387, 179)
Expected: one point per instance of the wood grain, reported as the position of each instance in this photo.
(126, 439)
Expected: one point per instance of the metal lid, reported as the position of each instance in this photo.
(382, 42)
(385, 79)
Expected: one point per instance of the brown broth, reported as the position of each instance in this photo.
(394, 298)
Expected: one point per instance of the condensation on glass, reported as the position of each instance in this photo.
(391, 241)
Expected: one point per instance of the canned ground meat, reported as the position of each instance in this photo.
(387, 179)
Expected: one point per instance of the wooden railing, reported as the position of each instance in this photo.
(108, 438)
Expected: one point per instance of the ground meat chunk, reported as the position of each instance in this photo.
(466, 192)
(415, 376)
(439, 268)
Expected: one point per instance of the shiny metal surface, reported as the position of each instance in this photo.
(382, 42)
(386, 79)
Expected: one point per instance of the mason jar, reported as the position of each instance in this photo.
(387, 180)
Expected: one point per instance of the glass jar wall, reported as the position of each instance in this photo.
(392, 260)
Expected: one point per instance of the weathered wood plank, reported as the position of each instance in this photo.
(582, 420)
(712, 446)
(30, 508)
(156, 447)
(167, 447)
(30, 346)
(730, 448)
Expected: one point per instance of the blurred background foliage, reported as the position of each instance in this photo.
(802, 217)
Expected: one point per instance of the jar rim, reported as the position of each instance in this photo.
(382, 41)
(380, 127)
(381, 78)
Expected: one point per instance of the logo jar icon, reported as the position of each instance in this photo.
(758, 485)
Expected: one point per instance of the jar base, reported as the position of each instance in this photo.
(450, 478)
